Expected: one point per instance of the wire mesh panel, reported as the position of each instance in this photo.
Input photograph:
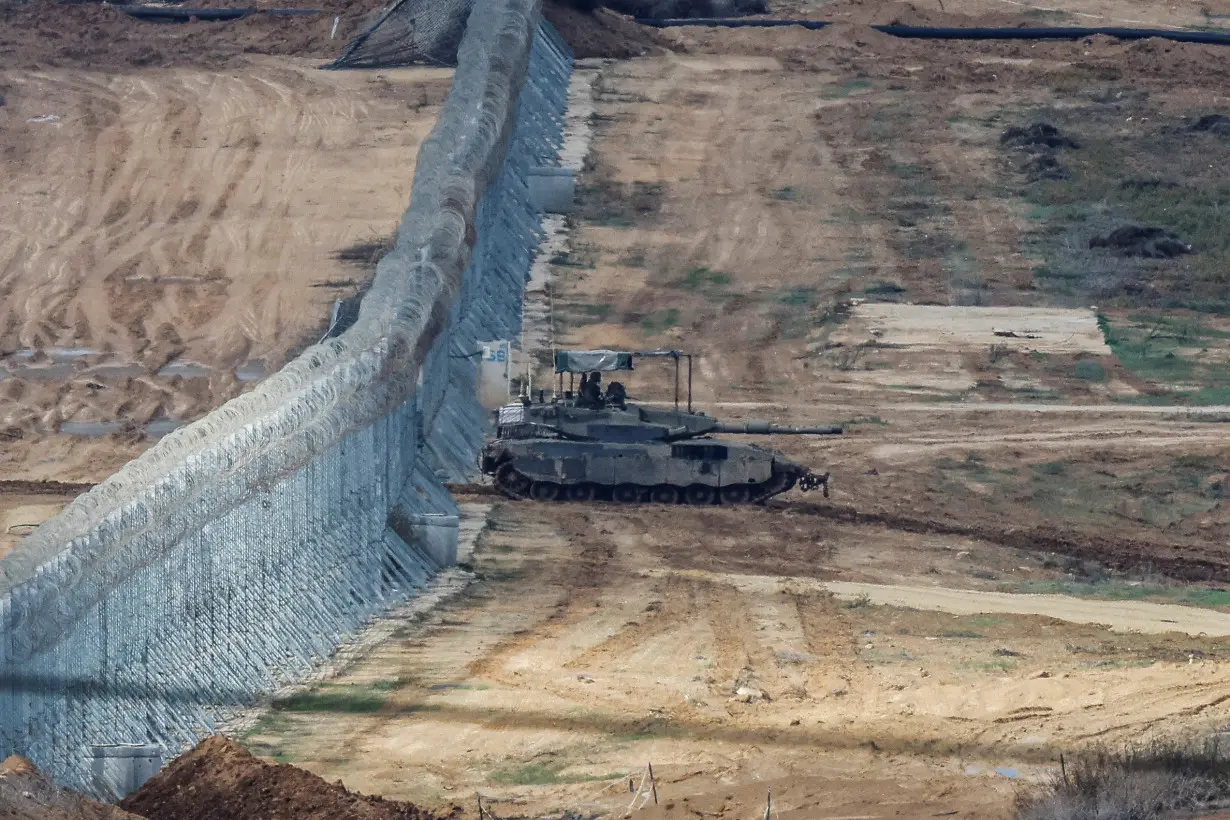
(241, 550)
(409, 32)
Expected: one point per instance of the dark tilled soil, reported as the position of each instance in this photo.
(49, 33)
(601, 33)
(219, 780)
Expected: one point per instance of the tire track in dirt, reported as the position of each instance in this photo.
(673, 602)
(830, 641)
(567, 592)
(739, 658)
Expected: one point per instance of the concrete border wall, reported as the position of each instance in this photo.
(239, 551)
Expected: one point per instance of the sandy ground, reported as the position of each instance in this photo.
(170, 237)
(20, 515)
(902, 649)
(942, 327)
(591, 644)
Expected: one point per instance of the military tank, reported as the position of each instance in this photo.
(582, 446)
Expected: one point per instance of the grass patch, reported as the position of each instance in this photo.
(543, 774)
(1089, 370)
(596, 312)
(985, 621)
(860, 601)
(634, 259)
(786, 194)
(800, 297)
(1160, 779)
(342, 698)
(618, 205)
(703, 278)
(1051, 468)
(1166, 351)
(972, 462)
(1157, 497)
(659, 321)
(839, 91)
(1165, 175)
(1126, 591)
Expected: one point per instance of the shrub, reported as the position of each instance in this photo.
(1148, 781)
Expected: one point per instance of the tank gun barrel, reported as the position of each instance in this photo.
(764, 428)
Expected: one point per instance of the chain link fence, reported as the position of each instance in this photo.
(240, 551)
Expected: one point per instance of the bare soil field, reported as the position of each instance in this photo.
(171, 236)
(1024, 552)
(591, 645)
(184, 207)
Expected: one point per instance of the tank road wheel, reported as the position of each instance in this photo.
(544, 491)
(627, 494)
(581, 492)
(511, 482)
(664, 494)
(736, 494)
(698, 495)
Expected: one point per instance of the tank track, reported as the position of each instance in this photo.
(516, 485)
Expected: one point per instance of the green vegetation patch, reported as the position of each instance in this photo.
(586, 314)
(1185, 360)
(1087, 492)
(659, 321)
(701, 278)
(800, 297)
(1089, 370)
(1116, 590)
(342, 698)
(603, 201)
(839, 91)
(1162, 174)
(547, 774)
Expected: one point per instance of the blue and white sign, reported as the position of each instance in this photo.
(494, 373)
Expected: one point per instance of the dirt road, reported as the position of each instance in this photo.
(1120, 616)
(171, 237)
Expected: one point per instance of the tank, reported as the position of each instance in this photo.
(588, 445)
(631, 454)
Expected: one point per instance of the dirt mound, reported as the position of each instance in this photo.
(1154, 57)
(871, 13)
(1036, 137)
(1218, 124)
(48, 33)
(219, 780)
(1040, 142)
(1147, 242)
(26, 792)
(601, 33)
